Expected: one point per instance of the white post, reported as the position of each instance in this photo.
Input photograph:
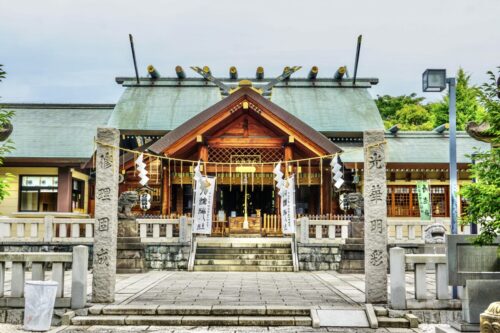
(58, 276)
(169, 230)
(156, 230)
(62, 230)
(398, 283)
(75, 230)
(143, 230)
(38, 271)
(304, 230)
(331, 231)
(442, 291)
(399, 232)
(79, 277)
(48, 228)
(2, 278)
(34, 230)
(344, 231)
(4, 230)
(319, 231)
(20, 230)
(420, 285)
(17, 285)
(411, 232)
(88, 230)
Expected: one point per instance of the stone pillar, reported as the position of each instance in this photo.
(184, 231)
(48, 228)
(375, 195)
(106, 216)
(304, 230)
(398, 282)
(79, 277)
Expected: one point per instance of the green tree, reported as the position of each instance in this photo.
(468, 105)
(483, 196)
(389, 105)
(6, 146)
(414, 118)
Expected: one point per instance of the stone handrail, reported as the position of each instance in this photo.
(46, 230)
(303, 231)
(420, 262)
(149, 230)
(39, 260)
(412, 230)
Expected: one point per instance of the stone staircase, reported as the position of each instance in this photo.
(395, 319)
(172, 315)
(244, 254)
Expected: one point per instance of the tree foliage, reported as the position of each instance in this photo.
(414, 118)
(5, 147)
(389, 105)
(483, 196)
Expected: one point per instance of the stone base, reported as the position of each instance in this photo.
(130, 256)
(352, 255)
(318, 257)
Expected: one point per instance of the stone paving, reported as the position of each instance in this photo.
(325, 289)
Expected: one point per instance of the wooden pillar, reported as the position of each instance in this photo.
(165, 198)
(64, 189)
(203, 153)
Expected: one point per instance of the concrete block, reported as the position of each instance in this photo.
(66, 318)
(412, 319)
(479, 294)
(79, 277)
(371, 316)
(127, 309)
(17, 288)
(96, 309)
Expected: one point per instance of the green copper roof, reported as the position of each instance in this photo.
(418, 147)
(330, 110)
(56, 130)
(161, 108)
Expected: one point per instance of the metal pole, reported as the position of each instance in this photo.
(133, 57)
(453, 162)
(473, 226)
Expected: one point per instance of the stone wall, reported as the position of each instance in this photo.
(318, 257)
(170, 257)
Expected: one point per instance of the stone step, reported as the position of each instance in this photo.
(242, 250)
(244, 262)
(393, 322)
(159, 320)
(242, 268)
(248, 256)
(243, 244)
(200, 310)
(380, 311)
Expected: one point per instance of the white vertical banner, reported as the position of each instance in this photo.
(288, 206)
(203, 202)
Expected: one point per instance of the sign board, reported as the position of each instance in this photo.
(424, 201)
(467, 261)
(203, 205)
(288, 206)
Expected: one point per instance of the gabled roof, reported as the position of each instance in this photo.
(326, 105)
(301, 129)
(56, 130)
(418, 147)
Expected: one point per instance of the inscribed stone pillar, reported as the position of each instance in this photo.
(106, 216)
(375, 194)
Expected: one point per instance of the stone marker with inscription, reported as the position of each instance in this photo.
(106, 208)
(375, 193)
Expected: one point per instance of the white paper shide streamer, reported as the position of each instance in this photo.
(204, 190)
(336, 173)
(141, 167)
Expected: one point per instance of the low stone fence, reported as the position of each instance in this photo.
(165, 230)
(440, 299)
(322, 231)
(40, 261)
(46, 230)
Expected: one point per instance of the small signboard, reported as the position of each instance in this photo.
(424, 201)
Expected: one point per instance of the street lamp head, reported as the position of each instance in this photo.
(434, 80)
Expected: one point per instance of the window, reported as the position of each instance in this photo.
(77, 196)
(38, 194)
(402, 201)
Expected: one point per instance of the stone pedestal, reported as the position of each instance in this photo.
(352, 253)
(130, 251)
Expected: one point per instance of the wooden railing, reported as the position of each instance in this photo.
(12, 295)
(271, 224)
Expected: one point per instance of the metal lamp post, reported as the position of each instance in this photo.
(435, 80)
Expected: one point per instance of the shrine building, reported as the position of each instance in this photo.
(239, 129)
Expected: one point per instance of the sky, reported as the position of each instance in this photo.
(61, 51)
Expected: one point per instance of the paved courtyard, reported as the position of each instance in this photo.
(324, 290)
